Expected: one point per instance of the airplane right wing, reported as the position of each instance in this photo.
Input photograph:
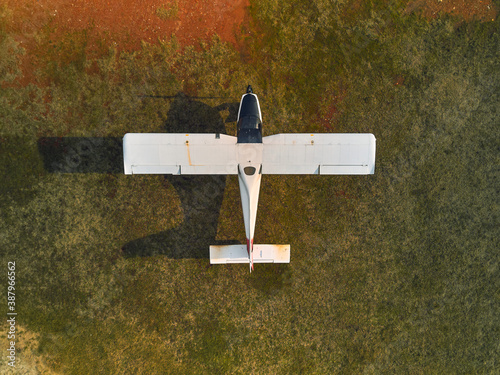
(326, 153)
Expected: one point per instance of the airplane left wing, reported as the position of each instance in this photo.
(183, 154)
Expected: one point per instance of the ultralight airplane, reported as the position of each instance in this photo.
(249, 155)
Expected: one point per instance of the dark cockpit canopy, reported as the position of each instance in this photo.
(249, 124)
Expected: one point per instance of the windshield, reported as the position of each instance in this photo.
(249, 122)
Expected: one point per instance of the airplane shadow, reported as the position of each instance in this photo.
(81, 154)
(201, 201)
(201, 196)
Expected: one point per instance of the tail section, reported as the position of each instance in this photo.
(249, 253)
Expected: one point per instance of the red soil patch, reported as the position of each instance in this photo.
(128, 22)
(468, 10)
(122, 23)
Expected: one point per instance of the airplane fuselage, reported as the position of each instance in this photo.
(250, 162)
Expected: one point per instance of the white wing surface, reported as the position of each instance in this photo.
(319, 154)
(162, 153)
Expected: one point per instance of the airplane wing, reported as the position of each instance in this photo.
(318, 154)
(161, 153)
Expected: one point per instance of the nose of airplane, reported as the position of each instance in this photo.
(249, 89)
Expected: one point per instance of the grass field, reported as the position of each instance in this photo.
(397, 272)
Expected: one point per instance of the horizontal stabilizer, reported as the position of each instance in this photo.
(238, 254)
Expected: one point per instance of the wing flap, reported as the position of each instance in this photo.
(155, 169)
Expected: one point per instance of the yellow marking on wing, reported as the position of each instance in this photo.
(188, 152)
(189, 156)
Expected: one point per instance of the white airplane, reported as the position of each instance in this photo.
(249, 155)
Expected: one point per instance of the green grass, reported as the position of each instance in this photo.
(168, 12)
(391, 273)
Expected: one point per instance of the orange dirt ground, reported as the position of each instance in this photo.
(127, 22)
(122, 23)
